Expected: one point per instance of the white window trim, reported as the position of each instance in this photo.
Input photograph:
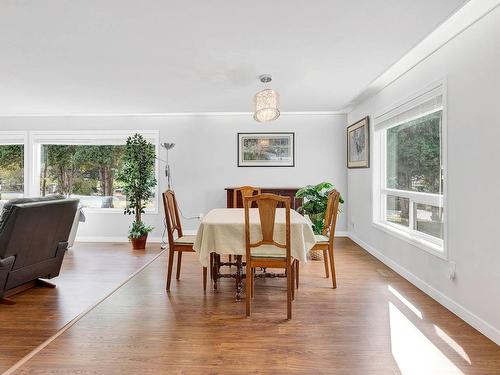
(18, 138)
(422, 241)
(37, 138)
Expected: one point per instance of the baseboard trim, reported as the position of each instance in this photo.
(463, 313)
(341, 234)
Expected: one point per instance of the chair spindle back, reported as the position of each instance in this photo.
(171, 215)
(244, 191)
(267, 205)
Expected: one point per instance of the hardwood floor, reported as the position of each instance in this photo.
(375, 322)
(89, 273)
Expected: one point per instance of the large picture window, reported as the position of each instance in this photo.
(85, 166)
(409, 188)
(12, 168)
(87, 172)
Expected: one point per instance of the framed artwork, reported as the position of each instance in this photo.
(358, 144)
(266, 149)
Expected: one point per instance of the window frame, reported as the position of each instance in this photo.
(76, 137)
(19, 138)
(426, 242)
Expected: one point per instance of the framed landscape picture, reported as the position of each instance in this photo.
(358, 144)
(266, 150)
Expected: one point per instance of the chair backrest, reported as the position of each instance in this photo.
(332, 209)
(31, 229)
(243, 191)
(267, 204)
(172, 217)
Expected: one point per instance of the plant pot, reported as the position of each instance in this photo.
(315, 255)
(139, 243)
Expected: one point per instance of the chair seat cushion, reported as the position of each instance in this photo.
(186, 239)
(268, 251)
(321, 238)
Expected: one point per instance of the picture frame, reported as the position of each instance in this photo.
(266, 149)
(358, 144)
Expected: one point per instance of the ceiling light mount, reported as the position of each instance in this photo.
(265, 78)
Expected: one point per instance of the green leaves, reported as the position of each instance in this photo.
(314, 202)
(138, 229)
(138, 178)
(11, 156)
(414, 155)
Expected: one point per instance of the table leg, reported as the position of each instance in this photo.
(238, 278)
(215, 269)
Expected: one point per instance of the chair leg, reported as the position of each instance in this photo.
(211, 265)
(292, 274)
(170, 266)
(297, 268)
(332, 265)
(289, 292)
(325, 259)
(253, 282)
(204, 279)
(230, 259)
(215, 270)
(248, 289)
(179, 261)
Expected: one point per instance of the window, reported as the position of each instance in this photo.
(409, 173)
(87, 172)
(12, 160)
(84, 165)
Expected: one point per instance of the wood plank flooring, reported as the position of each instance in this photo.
(375, 322)
(89, 273)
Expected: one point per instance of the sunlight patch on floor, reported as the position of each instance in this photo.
(453, 344)
(413, 352)
(405, 301)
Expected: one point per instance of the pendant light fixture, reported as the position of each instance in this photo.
(266, 102)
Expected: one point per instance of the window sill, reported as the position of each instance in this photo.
(421, 243)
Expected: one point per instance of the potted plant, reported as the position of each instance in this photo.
(314, 202)
(137, 176)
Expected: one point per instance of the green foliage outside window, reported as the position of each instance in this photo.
(11, 171)
(81, 170)
(414, 155)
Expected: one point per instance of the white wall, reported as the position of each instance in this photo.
(471, 64)
(204, 160)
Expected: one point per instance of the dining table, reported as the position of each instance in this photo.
(222, 232)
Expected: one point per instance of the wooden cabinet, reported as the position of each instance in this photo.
(286, 191)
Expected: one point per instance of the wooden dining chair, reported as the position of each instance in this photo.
(244, 191)
(325, 240)
(180, 243)
(262, 257)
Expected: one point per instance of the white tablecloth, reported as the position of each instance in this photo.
(222, 231)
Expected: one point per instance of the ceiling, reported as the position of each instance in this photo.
(159, 56)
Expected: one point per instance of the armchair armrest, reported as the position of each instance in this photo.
(5, 267)
(7, 262)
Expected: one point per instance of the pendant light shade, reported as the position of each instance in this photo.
(266, 105)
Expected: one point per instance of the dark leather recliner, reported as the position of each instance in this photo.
(33, 239)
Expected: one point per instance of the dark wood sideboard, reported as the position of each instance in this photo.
(287, 192)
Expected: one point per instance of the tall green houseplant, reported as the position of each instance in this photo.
(314, 202)
(137, 176)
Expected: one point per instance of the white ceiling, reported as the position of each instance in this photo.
(158, 56)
